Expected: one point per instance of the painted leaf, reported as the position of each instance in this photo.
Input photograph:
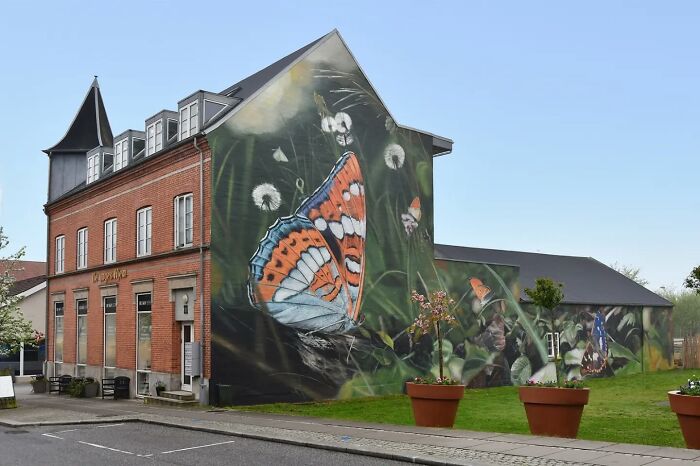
(388, 341)
(618, 351)
(521, 370)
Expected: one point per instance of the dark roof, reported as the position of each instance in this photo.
(27, 284)
(90, 127)
(586, 281)
(248, 86)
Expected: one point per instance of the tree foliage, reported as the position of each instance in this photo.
(693, 280)
(14, 328)
(548, 294)
(633, 273)
(686, 311)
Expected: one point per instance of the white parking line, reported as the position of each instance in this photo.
(194, 448)
(53, 436)
(105, 448)
(67, 430)
(110, 425)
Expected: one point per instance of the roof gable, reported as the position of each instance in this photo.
(90, 127)
(586, 281)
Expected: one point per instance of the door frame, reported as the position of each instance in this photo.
(185, 386)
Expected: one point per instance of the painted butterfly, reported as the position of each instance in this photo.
(309, 268)
(482, 292)
(411, 218)
(595, 358)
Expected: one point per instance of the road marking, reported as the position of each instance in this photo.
(194, 448)
(67, 430)
(53, 436)
(105, 448)
(111, 425)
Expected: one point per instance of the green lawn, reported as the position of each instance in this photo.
(629, 409)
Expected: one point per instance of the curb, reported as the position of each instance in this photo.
(363, 451)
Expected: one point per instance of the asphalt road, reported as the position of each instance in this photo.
(138, 443)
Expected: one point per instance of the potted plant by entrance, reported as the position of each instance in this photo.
(685, 402)
(39, 383)
(552, 408)
(434, 400)
(160, 388)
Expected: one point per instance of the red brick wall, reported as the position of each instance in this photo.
(154, 183)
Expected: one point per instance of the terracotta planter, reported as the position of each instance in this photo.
(687, 408)
(554, 412)
(434, 405)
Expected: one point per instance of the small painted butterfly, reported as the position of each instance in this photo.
(308, 269)
(411, 218)
(482, 292)
(595, 357)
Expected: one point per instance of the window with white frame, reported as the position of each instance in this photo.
(154, 137)
(143, 342)
(189, 123)
(81, 306)
(183, 220)
(60, 254)
(82, 247)
(93, 168)
(553, 344)
(109, 304)
(143, 231)
(121, 154)
(110, 241)
(58, 335)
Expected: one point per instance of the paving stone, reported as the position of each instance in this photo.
(589, 444)
(678, 453)
(532, 440)
(622, 459)
(490, 445)
(673, 462)
(575, 454)
(534, 450)
(634, 449)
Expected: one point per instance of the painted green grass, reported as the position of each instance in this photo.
(626, 409)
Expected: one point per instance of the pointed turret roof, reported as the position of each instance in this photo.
(90, 127)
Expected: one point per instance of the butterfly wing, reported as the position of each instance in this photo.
(337, 210)
(296, 278)
(482, 292)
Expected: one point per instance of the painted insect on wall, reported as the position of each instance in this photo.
(595, 357)
(309, 268)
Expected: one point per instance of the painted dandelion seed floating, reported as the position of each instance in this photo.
(343, 122)
(279, 156)
(394, 156)
(344, 139)
(266, 197)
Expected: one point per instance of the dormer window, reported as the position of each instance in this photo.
(189, 122)
(93, 168)
(121, 154)
(154, 137)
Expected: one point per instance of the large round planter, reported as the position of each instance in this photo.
(40, 386)
(91, 389)
(434, 405)
(554, 412)
(687, 408)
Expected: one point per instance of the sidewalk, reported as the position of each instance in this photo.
(412, 444)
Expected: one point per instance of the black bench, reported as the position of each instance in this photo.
(59, 384)
(118, 387)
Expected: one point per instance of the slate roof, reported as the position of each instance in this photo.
(21, 286)
(586, 281)
(90, 127)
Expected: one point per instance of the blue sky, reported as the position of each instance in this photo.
(576, 128)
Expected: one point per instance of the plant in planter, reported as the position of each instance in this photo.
(91, 387)
(552, 408)
(160, 387)
(434, 399)
(39, 383)
(76, 387)
(685, 402)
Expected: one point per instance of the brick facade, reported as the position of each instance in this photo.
(156, 183)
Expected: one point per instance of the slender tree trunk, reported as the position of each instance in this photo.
(556, 348)
(439, 337)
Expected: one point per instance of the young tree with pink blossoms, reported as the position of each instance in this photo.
(432, 312)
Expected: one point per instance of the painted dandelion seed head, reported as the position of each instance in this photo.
(328, 124)
(343, 122)
(394, 156)
(389, 124)
(344, 139)
(266, 197)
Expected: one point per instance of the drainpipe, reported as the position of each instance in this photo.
(203, 398)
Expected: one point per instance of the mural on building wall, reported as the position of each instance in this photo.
(322, 224)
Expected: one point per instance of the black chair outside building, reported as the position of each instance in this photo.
(116, 388)
(59, 384)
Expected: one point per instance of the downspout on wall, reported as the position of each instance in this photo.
(203, 393)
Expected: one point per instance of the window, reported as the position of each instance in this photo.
(172, 130)
(143, 231)
(553, 345)
(58, 336)
(154, 137)
(93, 168)
(110, 334)
(138, 147)
(143, 341)
(121, 154)
(82, 248)
(183, 221)
(81, 358)
(188, 120)
(110, 241)
(60, 254)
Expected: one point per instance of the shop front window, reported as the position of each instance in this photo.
(143, 337)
